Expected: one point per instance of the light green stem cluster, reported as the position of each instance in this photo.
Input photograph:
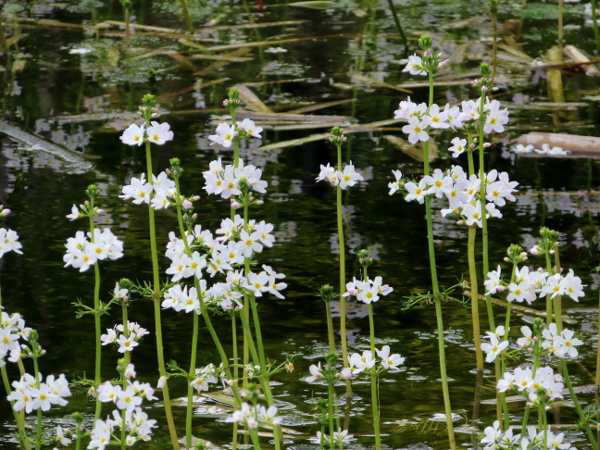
(156, 298)
(436, 290)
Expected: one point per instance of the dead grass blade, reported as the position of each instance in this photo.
(37, 143)
(218, 48)
(319, 106)
(251, 100)
(374, 126)
(414, 151)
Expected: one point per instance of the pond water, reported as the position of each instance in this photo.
(70, 78)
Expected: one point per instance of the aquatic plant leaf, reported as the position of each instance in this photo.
(316, 4)
(540, 11)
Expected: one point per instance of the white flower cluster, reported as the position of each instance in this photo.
(359, 363)
(226, 133)
(158, 193)
(422, 118)
(138, 427)
(461, 192)
(9, 242)
(225, 181)
(255, 416)
(529, 284)
(561, 344)
(157, 133)
(117, 336)
(83, 253)
(495, 439)
(367, 291)
(494, 347)
(204, 376)
(525, 381)
(224, 254)
(31, 394)
(344, 178)
(521, 149)
(11, 329)
(340, 438)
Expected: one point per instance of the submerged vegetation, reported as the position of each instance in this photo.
(234, 172)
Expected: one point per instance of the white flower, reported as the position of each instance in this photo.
(159, 133)
(133, 135)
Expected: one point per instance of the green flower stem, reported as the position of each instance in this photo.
(397, 23)
(97, 322)
(191, 373)
(558, 298)
(157, 310)
(330, 335)
(18, 417)
(266, 382)
(549, 300)
(38, 426)
(582, 416)
(187, 18)
(342, 246)
(474, 297)
(494, 20)
(436, 291)
(195, 324)
(265, 379)
(254, 437)
(374, 399)
(595, 25)
(484, 228)
(235, 347)
(124, 381)
(330, 396)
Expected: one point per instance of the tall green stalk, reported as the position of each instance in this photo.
(472, 233)
(595, 25)
(425, 44)
(337, 132)
(149, 102)
(92, 191)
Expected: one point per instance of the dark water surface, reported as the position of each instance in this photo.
(74, 84)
